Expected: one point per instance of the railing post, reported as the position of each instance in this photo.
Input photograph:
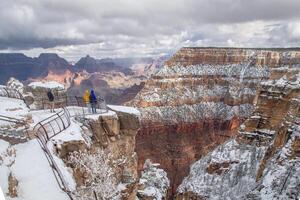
(44, 130)
(64, 126)
(95, 195)
(6, 92)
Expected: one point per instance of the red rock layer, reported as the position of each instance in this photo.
(220, 56)
(177, 146)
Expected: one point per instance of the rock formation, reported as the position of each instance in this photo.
(198, 100)
(22, 67)
(263, 160)
(154, 183)
(115, 134)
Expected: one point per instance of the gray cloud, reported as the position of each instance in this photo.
(122, 27)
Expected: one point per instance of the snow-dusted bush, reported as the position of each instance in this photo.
(98, 175)
(15, 84)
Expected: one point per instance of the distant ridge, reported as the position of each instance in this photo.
(250, 48)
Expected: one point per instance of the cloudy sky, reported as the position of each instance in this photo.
(119, 28)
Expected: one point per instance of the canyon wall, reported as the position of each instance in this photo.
(262, 161)
(198, 100)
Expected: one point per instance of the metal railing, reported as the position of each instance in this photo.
(67, 101)
(45, 130)
(53, 125)
(55, 169)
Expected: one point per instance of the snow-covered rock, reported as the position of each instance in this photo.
(15, 84)
(263, 161)
(153, 183)
(49, 85)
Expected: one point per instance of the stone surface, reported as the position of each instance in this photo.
(40, 98)
(198, 100)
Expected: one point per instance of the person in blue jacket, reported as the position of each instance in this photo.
(93, 101)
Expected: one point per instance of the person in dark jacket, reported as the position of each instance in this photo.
(51, 100)
(93, 101)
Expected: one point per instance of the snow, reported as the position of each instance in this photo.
(35, 176)
(237, 179)
(1, 194)
(283, 82)
(281, 178)
(49, 84)
(240, 70)
(15, 84)
(3, 146)
(15, 108)
(125, 109)
(154, 181)
(4, 172)
(72, 133)
(195, 112)
(39, 115)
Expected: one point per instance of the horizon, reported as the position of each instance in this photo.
(156, 56)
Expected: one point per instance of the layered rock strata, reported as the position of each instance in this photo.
(198, 100)
(263, 160)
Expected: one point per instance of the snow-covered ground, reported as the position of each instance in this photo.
(13, 107)
(125, 109)
(30, 167)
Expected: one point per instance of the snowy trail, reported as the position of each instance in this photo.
(15, 108)
(31, 162)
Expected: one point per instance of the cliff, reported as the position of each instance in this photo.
(198, 100)
(69, 153)
(262, 161)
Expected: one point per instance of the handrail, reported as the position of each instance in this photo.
(57, 119)
(55, 169)
(44, 136)
(65, 101)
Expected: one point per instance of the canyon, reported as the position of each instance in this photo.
(199, 99)
(212, 123)
(262, 161)
(111, 78)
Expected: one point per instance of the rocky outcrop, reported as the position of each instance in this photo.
(154, 183)
(36, 96)
(12, 186)
(261, 162)
(115, 135)
(199, 99)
